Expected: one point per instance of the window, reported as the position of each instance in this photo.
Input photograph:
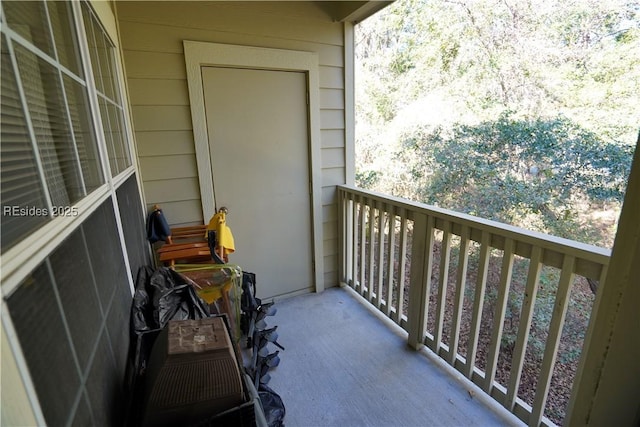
(50, 149)
(104, 70)
(65, 281)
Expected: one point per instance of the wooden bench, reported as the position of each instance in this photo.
(185, 245)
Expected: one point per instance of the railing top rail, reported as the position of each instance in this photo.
(583, 251)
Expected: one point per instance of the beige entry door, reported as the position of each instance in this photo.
(257, 125)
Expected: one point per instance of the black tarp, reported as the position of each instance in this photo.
(163, 295)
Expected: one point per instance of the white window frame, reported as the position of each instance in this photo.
(18, 261)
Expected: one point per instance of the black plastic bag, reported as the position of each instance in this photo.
(272, 405)
(141, 310)
(163, 295)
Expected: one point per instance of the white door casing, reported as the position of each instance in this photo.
(199, 55)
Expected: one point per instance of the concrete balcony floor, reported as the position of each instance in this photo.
(345, 365)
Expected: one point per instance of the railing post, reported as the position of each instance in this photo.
(421, 259)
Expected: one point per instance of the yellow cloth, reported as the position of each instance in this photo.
(218, 223)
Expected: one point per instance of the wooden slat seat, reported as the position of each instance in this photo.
(194, 232)
(186, 245)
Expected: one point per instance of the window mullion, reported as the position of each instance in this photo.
(27, 115)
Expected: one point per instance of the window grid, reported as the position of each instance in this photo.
(72, 159)
(108, 91)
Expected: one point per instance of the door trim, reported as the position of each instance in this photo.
(199, 54)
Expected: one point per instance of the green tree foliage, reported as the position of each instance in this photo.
(524, 111)
(510, 170)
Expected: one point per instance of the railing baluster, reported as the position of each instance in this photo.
(445, 256)
(381, 217)
(372, 251)
(553, 339)
(526, 315)
(363, 243)
(498, 316)
(354, 243)
(402, 267)
(478, 303)
(461, 280)
(391, 249)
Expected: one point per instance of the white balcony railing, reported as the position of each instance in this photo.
(428, 269)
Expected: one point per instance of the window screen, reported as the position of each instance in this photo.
(71, 316)
(132, 218)
(39, 324)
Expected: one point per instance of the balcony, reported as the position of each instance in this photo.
(448, 280)
(346, 365)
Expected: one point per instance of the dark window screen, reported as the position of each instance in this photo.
(38, 323)
(72, 272)
(71, 316)
(82, 416)
(104, 387)
(101, 235)
(133, 226)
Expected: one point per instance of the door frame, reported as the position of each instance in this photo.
(199, 54)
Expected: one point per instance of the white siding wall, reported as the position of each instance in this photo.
(152, 35)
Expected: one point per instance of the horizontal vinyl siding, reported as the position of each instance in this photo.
(250, 19)
(165, 143)
(331, 77)
(162, 117)
(158, 92)
(186, 187)
(152, 34)
(332, 138)
(332, 98)
(168, 167)
(145, 38)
